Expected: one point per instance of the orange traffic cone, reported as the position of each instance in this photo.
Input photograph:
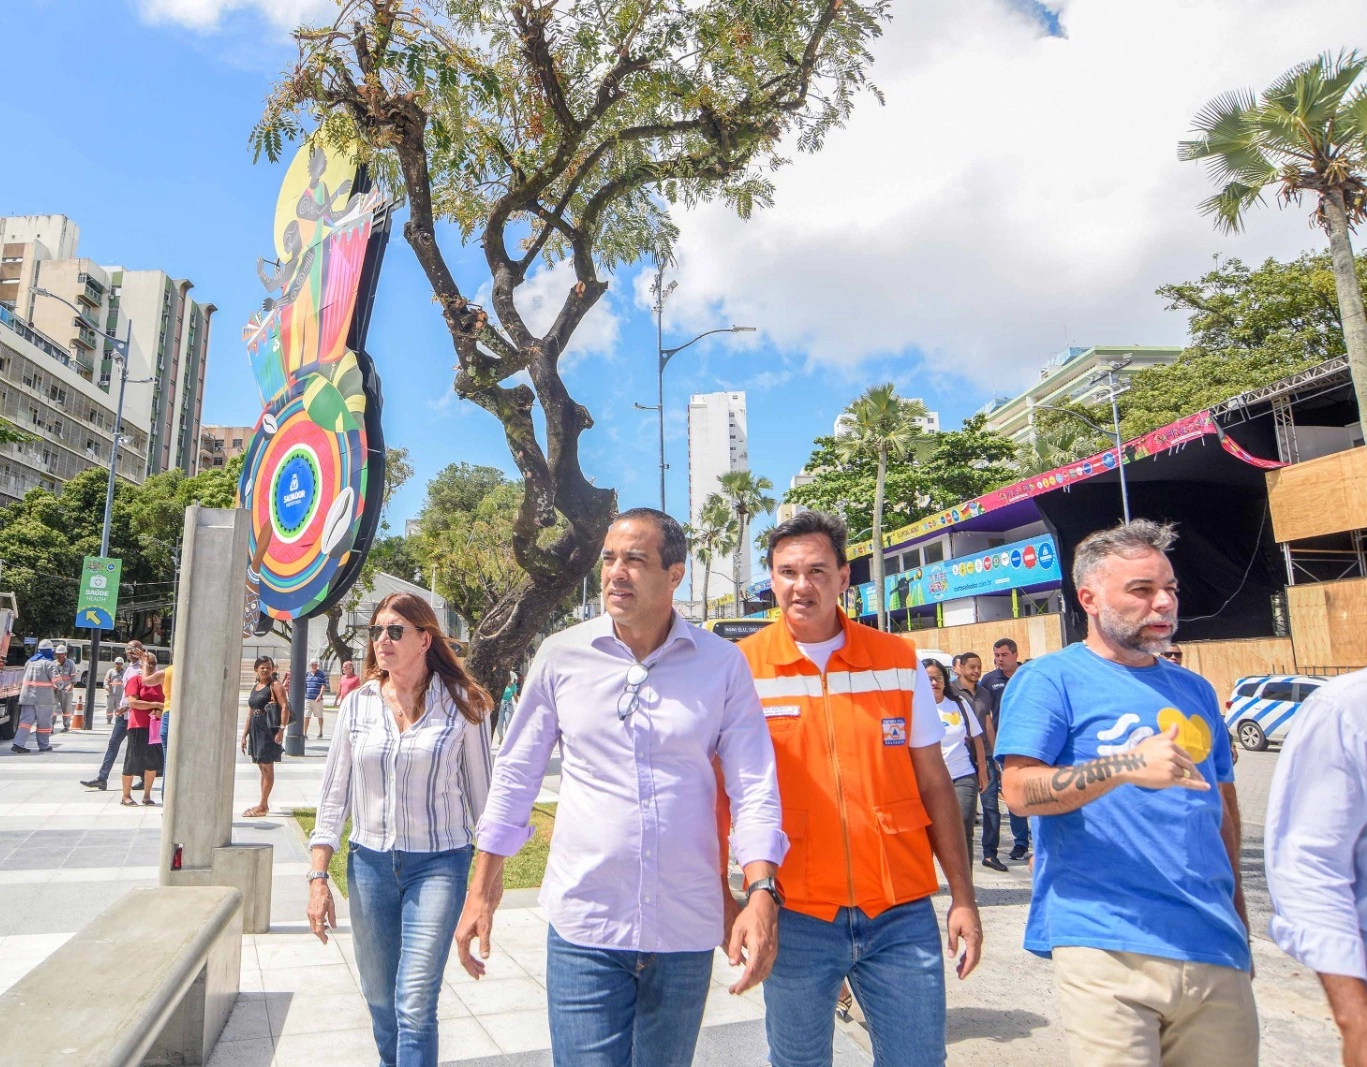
(78, 720)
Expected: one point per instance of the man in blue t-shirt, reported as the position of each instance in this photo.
(1124, 762)
(315, 685)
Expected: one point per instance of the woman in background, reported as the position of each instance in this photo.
(263, 737)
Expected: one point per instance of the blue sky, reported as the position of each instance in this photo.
(136, 127)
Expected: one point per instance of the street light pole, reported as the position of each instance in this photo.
(120, 356)
(1113, 434)
(663, 356)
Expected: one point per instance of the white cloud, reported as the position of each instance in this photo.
(206, 15)
(1018, 192)
(539, 300)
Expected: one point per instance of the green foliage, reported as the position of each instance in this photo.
(967, 463)
(961, 464)
(1307, 132)
(1248, 327)
(714, 537)
(847, 488)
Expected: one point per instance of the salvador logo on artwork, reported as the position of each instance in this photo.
(315, 463)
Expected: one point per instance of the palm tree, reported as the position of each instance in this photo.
(745, 495)
(1049, 449)
(880, 425)
(1306, 133)
(713, 538)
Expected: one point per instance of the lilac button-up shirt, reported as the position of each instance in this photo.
(635, 860)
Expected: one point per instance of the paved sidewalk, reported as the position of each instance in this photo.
(66, 853)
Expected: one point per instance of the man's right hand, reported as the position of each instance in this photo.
(477, 917)
(1165, 763)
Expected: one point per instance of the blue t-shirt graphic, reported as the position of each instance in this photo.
(1137, 870)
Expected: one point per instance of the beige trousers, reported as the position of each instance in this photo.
(1123, 1009)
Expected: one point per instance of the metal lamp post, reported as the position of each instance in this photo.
(1113, 434)
(664, 355)
(120, 356)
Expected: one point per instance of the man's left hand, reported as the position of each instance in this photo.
(754, 941)
(965, 924)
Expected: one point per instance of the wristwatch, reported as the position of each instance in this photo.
(765, 885)
(313, 876)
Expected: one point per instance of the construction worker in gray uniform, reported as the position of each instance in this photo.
(64, 683)
(37, 699)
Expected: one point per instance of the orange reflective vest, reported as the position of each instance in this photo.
(851, 806)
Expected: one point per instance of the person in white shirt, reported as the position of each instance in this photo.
(643, 701)
(961, 746)
(1315, 842)
(410, 764)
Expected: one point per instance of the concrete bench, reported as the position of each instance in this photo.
(151, 980)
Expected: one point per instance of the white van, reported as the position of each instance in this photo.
(78, 648)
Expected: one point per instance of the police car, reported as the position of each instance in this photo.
(1261, 708)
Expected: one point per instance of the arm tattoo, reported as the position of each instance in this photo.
(1038, 792)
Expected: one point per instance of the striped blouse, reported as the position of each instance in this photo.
(422, 790)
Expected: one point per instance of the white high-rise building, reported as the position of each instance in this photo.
(717, 444)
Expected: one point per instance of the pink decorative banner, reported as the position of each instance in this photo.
(1165, 438)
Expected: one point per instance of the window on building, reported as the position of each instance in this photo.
(934, 552)
(237, 442)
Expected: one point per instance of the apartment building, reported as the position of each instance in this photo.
(219, 444)
(167, 331)
(717, 444)
(1071, 376)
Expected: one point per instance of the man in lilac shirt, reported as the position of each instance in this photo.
(643, 702)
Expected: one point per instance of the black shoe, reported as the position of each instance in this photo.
(138, 784)
(20, 751)
(96, 783)
(994, 863)
(1019, 853)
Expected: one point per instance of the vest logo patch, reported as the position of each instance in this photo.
(782, 711)
(894, 731)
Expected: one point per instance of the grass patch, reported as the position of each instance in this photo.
(306, 818)
(528, 867)
(523, 871)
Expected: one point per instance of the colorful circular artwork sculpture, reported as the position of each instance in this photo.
(316, 451)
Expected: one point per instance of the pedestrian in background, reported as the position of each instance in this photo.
(1316, 844)
(506, 705)
(1124, 760)
(961, 746)
(113, 689)
(263, 737)
(143, 759)
(37, 700)
(410, 763)
(348, 682)
(315, 685)
(1007, 660)
(64, 685)
(134, 651)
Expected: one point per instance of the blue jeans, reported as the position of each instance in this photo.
(616, 1008)
(992, 816)
(404, 907)
(111, 751)
(895, 967)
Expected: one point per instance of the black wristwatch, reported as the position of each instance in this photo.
(765, 885)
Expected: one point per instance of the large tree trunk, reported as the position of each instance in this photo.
(1351, 311)
(706, 577)
(339, 647)
(879, 567)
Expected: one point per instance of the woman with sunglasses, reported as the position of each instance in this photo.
(410, 764)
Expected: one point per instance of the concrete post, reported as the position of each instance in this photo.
(197, 823)
(299, 666)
